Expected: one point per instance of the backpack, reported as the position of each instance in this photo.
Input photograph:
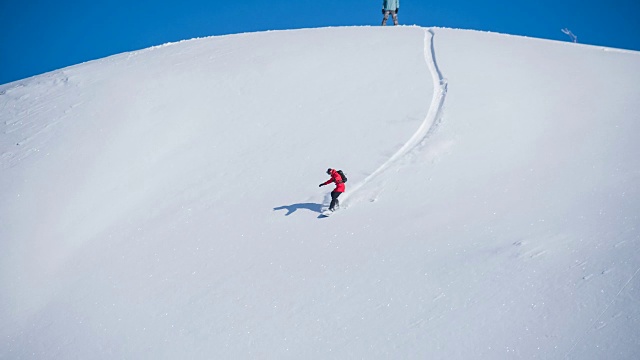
(343, 176)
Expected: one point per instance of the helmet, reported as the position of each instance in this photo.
(329, 171)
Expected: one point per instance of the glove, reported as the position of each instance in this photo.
(397, 10)
(320, 185)
(382, 11)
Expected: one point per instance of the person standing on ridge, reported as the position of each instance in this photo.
(390, 7)
(335, 178)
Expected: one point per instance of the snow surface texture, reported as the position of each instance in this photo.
(164, 203)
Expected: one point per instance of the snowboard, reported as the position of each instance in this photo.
(327, 213)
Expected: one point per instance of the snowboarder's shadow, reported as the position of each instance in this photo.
(294, 207)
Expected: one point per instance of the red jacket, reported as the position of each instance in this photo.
(336, 178)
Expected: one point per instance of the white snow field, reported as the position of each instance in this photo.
(164, 203)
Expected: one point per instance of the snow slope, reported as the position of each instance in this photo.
(164, 203)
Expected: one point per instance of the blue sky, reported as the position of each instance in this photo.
(43, 35)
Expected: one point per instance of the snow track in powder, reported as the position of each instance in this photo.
(428, 126)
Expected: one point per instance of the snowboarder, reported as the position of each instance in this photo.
(390, 7)
(335, 178)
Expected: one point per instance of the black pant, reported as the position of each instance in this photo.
(334, 200)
